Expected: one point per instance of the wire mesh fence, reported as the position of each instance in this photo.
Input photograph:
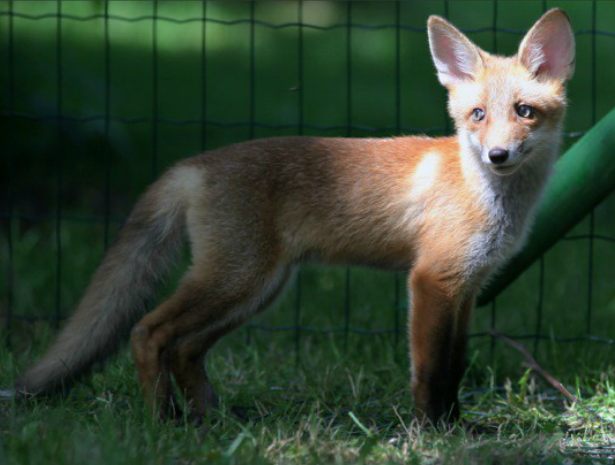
(99, 97)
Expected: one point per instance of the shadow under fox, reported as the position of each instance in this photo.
(450, 210)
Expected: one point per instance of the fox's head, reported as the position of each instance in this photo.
(507, 110)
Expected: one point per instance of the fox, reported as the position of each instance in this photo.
(450, 211)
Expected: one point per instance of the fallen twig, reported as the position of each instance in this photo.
(534, 365)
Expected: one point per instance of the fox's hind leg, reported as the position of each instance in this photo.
(186, 362)
(185, 326)
(148, 340)
(187, 356)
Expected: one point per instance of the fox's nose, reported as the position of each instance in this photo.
(498, 156)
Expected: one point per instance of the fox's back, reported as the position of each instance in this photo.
(365, 200)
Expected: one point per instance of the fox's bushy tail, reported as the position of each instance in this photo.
(117, 295)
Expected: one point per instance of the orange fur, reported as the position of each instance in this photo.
(252, 211)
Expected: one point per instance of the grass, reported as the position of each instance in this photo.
(333, 407)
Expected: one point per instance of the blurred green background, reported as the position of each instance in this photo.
(173, 78)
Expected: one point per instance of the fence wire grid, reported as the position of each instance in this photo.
(44, 109)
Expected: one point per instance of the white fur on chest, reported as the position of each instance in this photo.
(509, 213)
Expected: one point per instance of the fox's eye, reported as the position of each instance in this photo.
(525, 111)
(478, 114)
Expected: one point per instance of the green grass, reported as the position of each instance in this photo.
(333, 407)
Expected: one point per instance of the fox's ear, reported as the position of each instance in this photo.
(455, 56)
(548, 48)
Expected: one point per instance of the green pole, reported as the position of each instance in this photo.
(583, 177)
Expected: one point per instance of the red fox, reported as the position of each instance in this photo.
(449, 210)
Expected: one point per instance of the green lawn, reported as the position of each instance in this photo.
(333, 407)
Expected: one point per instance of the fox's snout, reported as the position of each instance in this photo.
(504, 159)
(502, 155)
(497, 156)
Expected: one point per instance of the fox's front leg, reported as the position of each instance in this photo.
(435, 303)
(458, 355)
